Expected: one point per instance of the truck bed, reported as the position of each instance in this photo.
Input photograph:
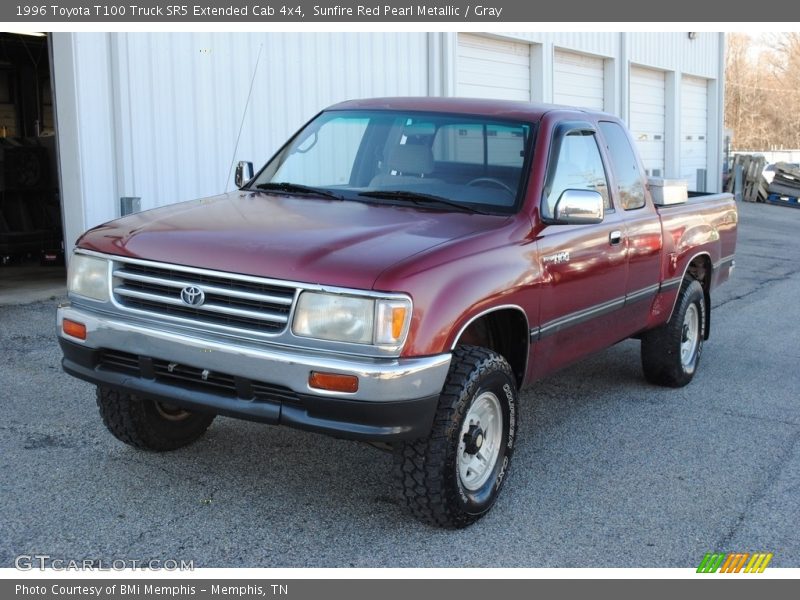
(705, 225)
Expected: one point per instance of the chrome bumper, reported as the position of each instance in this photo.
(380, 380)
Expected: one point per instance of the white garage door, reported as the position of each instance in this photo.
(647, 118)
(578, 80)
(489, 68)
(694, 131)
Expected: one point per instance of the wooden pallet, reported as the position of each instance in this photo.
(752, 181)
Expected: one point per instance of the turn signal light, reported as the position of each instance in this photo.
(333, 382)
(398, 321)
(74, 329)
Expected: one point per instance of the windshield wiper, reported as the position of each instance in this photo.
(420, 199)
(296, 188)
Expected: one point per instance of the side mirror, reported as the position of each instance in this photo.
(579, 207)
(244, 173)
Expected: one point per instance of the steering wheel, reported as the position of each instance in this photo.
(493, 181)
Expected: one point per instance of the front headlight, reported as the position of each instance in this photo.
(352, 319)
(88, 276)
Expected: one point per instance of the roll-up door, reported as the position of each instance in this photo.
(578, 80)
(694, 132)
(492, 68)
(647, 117)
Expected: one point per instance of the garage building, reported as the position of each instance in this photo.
(148, 119)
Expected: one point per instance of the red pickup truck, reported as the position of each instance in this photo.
(396, 274)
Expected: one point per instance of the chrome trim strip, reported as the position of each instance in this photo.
(730, 258)
(208, 288)
(263, 315)
(578, 317)
(668, 284)
(646, 292)
(598, 310)
(202, 328)
(592, 312)
(582, 316)
(380, 379)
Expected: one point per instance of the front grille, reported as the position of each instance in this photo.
(229, 302)
(192, 378)
(121, 362)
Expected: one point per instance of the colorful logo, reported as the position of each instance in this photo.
(734, 562)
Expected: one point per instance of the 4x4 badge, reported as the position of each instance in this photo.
(557, 258)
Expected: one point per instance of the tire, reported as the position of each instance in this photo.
(671, 353)
(444, 479)
(147, 424)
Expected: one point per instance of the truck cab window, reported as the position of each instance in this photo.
(463, 162)
(494, 144)
(578, 166)
(324, 156)
(630, 186)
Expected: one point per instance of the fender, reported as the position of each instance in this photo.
(477, 315)
(676, 282)
(483, 313)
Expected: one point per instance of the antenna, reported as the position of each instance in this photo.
(244, 114)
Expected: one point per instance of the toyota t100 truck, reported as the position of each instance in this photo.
(397, 273)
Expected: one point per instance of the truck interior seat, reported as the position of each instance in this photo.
(406, 164)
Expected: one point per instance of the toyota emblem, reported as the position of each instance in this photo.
(193, 295)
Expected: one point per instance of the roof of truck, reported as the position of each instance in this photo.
(507, 109)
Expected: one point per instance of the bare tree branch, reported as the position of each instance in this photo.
(762, 104)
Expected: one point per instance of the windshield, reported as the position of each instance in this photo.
(446, 161)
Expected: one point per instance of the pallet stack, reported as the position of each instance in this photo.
(748, 169)
(785, 188)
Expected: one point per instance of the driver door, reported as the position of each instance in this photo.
(584, 266)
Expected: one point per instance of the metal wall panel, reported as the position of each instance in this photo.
(85, 131)
(179, 100)
(182, 98)
(675, 51)
(590, 42)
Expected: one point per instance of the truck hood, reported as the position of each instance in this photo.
(295, 238)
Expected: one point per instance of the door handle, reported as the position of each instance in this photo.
(615, 237)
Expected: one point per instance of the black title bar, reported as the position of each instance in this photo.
(344, 11)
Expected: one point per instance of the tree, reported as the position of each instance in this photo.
(761, 102)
